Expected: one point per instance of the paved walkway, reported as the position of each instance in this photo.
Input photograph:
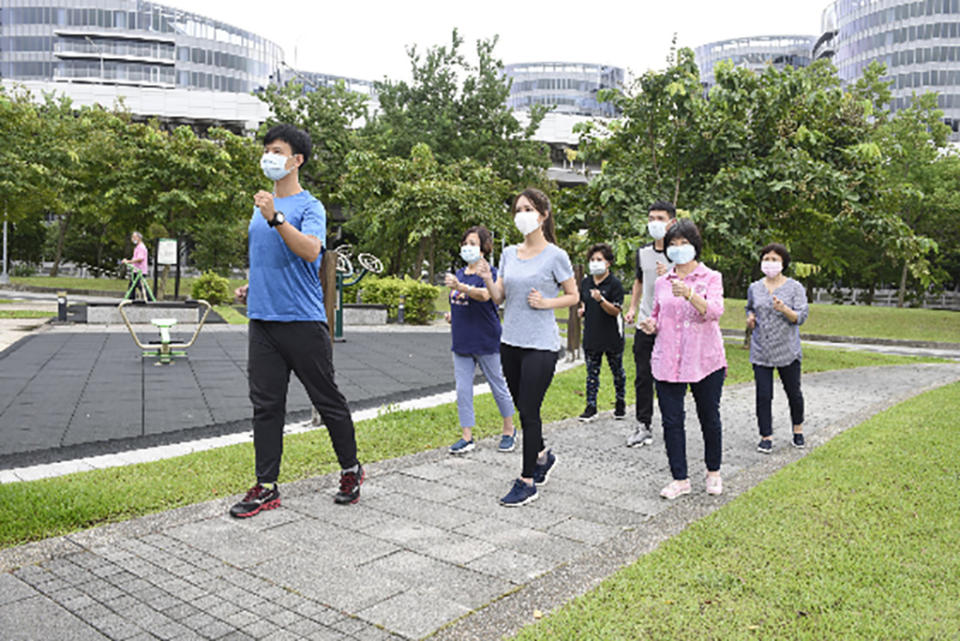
(427, 551)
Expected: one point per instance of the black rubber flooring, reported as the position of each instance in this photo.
(65, 395)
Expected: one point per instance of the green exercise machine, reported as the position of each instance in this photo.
(165, 349)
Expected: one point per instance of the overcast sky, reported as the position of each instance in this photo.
(367, 39)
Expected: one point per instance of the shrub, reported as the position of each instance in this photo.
(418, 304)
(23, 269)
(211, 287)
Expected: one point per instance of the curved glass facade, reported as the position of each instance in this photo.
(918, 41)
(130, 42)
(754, 53)
(570, 87)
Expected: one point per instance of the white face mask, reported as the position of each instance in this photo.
(597, 267)
(274, 166)
(527, 221)
(657, 229)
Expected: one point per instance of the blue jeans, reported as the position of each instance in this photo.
(706, 394)
(464, 366)
(790, 377)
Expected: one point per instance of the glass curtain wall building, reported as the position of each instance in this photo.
(754, 53)
(569, 87)
(918, 41)
(129, 43)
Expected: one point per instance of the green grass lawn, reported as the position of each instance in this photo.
(858, 540)
(25, 313)
(61, 505)
(869, 322)
(103, 284)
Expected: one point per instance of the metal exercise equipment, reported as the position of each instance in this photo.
(164, 350)
(138, 279)
(368, 263)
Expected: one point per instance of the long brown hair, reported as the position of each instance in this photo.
(541, 203)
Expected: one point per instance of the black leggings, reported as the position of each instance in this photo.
(528, 373)
(790, 377)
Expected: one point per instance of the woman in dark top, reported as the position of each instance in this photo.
(601, 299)
(475, 330)
(776, 307)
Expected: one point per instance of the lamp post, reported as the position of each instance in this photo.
(100, 50)
(4, 276)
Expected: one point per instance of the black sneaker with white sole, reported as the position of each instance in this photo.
(798, 440)
(542, 472)
(620, 411)
(765, 446)
(589, 414)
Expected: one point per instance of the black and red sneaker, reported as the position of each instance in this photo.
(350, 486)
(258, 498)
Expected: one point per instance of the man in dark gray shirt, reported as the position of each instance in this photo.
(652, 263)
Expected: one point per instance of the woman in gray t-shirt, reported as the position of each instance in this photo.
(529, 278)
(776, 307)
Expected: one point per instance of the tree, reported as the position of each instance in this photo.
(459, 111)
(418, 203)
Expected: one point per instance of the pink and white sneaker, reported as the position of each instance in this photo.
(675, 489)
(714, 485)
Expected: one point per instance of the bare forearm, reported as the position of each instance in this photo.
(305, 246)
(636, 293)
(566, 300)
(495, 288)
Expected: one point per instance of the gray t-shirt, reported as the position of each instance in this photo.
(524, 326)
(647, 258)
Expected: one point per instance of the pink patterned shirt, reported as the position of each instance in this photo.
(139, 259)
(689, 346)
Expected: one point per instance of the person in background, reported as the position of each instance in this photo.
(688, 352)
(652, 262)
(288, 323)
(475, 333)
(601, 299)
(141, 261)
(776, 308)
(530, 275)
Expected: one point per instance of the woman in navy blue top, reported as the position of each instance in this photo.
(475, 327)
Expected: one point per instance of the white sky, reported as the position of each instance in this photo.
(367, 38)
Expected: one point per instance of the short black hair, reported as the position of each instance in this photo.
(297, 138)
(486, 238)
(779, 249)
(663, 205)
(687, 229)
(604, 249)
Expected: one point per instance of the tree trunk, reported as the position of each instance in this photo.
(418, 264)
(398, 261)
(903, 285)
(431, 270)
(61, 239)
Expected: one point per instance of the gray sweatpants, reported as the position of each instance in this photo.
(464, 366)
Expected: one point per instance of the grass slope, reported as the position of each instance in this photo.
(859, 540)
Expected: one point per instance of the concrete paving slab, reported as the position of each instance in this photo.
(425, 552)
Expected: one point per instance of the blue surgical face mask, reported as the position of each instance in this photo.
(470, 253)
(274, 166)
(681, 254)
(657, 229)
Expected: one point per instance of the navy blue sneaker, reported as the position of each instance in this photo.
(798, 440)
(508, 442)
(542, 472)
(765, 446)
(462, 446)
(519, 494)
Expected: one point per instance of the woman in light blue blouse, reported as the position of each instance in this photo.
(531, 275)
(776, 307)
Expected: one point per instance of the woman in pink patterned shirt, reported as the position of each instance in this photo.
(141, 262)
(687, 306)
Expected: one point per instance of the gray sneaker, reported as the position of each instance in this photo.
(642, 436)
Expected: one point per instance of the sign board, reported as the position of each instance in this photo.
(167, 251)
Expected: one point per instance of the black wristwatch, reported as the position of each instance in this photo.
(278, 219)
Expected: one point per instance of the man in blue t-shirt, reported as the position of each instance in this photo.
(288, 323)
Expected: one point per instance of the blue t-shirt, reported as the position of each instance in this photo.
(283, 286)
(475, 325)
